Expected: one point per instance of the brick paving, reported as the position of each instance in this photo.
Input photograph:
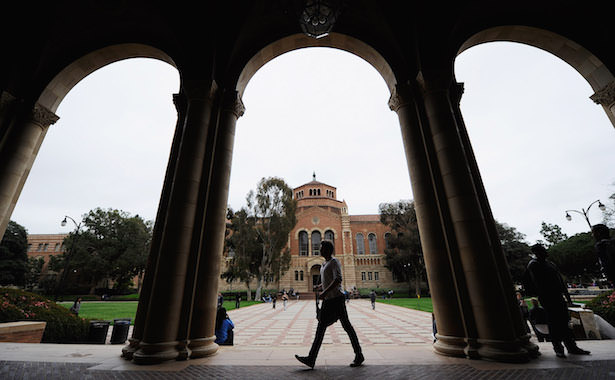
(261, 325)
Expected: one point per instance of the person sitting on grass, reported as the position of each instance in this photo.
(76, 306)
(224, 328)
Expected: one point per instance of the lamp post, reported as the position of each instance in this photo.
(584, 212)
(70, 251)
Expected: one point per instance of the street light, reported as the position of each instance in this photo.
(68, 255)
(584, 212)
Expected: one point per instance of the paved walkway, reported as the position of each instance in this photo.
(396, 344)
(261, 325)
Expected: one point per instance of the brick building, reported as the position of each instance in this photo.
(45, 246)
(359, 242)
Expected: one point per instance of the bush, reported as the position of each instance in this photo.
(62, 325)
(604, 306)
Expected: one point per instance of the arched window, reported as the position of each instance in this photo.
(360, 244)
(301, 275)
(296, 275)
(316, 243)
(387, 244)
(373, 247)
(329, 235)
(303, 243)
(318, 191)
(310, 192)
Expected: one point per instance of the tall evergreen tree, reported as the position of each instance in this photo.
(14, 255)
(404, 256)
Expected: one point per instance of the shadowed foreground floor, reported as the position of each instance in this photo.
(396, 344)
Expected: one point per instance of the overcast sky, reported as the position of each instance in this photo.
(541, 144)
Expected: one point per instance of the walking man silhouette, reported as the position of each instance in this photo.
(333, 307)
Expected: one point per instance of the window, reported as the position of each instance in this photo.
(29, 247)
(369, 276)
(40, 247)
(362, 276)
(376, 276)
(329, 235)
(387, 244)
(303, 243)
(316, 243)
(45, 246)
(360, 244)
(57, 247)
(310, 192)
(301, 275)
(318, 191)
(296, 275)
(373, 247)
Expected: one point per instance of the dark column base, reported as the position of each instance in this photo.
(154, 353)
(450, 345)
(503, 351)
(129, 350)
(202, 347)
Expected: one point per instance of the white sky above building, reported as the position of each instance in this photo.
(541, 144)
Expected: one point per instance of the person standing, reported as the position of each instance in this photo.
(549, 285)
(285, 300)
(237, 300)
(333, 307)
(605, 250)
(372, 297)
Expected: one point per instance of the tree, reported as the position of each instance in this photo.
(273, 208)
(552, 233)
(14, 255)
(242, 247)
(609, 213)
(34, 268)
(112, 245)
(576, 259)
(516, 250)
(404, 256)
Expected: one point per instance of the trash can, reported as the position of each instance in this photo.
(98, 332)
(119, 335)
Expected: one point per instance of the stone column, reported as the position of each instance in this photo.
(18, 152)
(487, 291)
(159, 341)
(148, 279)
(500, 259)
(454, 326)
(212, 234)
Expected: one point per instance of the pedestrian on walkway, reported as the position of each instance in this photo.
(238, 300)
(285, 300)
(545, 280)
(275, 298)
(76, 306)
(333, 307)
(372, 297)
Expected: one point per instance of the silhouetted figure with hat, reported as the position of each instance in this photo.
(605, 249)
(551, 290)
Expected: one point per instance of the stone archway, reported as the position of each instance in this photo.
(597, 74)
(27, 132)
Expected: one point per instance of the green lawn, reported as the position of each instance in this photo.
(422, 304)
(110, 310)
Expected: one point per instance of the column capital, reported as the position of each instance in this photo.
(42, 116)
(457, 90)
(231, 102)
(605, 96)
(179, 100)
(400, 97)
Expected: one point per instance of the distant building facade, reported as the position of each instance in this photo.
(45, 246)
(359, 242)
